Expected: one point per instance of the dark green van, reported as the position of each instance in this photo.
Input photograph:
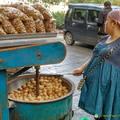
(81, 23)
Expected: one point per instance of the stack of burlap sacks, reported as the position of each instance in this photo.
(21, 18)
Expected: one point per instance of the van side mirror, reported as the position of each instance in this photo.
(96, 19)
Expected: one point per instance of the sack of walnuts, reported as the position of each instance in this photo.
(30, 11)
(2, 32)
(19, 26)
(30, 25)
(53, 24)
(40, 28)
(13, 13)
(8, 27)
(2, 17)
(50, 25)
(39, 6)
(16, 4)
(6, 5)
(46, 13)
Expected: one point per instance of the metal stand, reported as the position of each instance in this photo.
(25, 56)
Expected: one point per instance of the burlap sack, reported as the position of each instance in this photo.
(46, 13)
(2, 32)
(40, 28)
(19, 26)
(8, 27)
(30, 25)
(30, 11)
(13, 13)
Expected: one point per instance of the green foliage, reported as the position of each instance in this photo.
(53, 2)
(59, 16)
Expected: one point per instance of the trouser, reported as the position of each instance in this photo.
(99, 118)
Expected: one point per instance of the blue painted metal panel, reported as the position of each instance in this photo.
(4, 112)
(56, 110)
(51, 53)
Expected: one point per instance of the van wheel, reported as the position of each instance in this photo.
(69, 38)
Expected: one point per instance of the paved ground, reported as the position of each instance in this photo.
(74, 58)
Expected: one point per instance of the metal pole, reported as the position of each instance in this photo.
(4, 111)
(37, 80)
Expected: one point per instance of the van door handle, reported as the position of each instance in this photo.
(73, 24)
(88, 26)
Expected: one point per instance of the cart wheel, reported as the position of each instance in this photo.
(69, 38)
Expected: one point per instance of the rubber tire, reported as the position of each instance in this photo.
(69, 38)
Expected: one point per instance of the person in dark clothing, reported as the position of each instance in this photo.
(102, 17)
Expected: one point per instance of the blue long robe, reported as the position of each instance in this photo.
(100, 94)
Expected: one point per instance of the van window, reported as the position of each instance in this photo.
(69, 13)
(92, 14)
(79, 14)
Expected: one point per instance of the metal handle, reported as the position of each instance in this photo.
(73, 24)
